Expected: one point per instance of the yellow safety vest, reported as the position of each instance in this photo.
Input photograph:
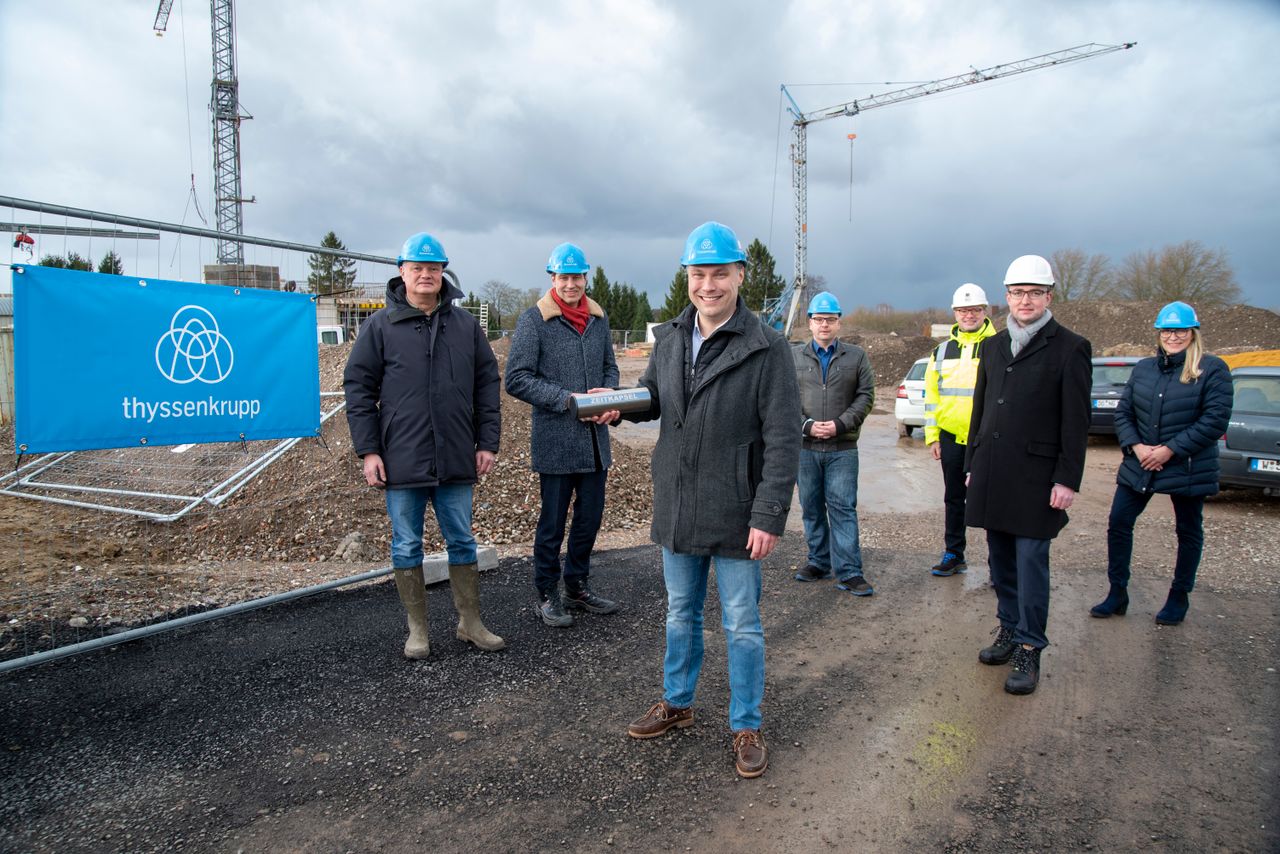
(949, 380)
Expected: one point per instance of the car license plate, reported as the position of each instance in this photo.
(1265, 465)
(1106, 403)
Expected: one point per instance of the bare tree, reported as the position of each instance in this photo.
(504, 299)
(1080, 276)
(1185, 271)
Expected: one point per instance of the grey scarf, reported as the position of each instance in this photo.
(1020, 336)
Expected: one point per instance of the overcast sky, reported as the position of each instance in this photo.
(504, 128)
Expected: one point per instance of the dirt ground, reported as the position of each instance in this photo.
(301, 727)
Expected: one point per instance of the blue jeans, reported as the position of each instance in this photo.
(1188, 514)
(829, 504)
(586, 492)
(407, 508)
(739, 582)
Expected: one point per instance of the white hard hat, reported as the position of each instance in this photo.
(1029, 270)
(969, 294)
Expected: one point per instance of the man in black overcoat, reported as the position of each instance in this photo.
(1025, 460)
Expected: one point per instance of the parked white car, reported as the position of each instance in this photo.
(909, 406)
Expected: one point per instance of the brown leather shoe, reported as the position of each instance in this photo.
(660, 718)
(750, 757)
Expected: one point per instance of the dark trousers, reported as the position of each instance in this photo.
(1188, 514)
(953, 498)
(1020, 573)
(586, 492)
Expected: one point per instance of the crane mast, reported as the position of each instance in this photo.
(228, 203)
(802, 120)
(224, 103)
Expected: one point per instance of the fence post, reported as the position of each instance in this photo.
(6, 376)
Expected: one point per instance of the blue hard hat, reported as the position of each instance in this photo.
(712, 243)
(1177, 315)
(825, 303)
(423, 247)
(567, 258)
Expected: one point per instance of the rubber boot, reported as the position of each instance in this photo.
(1175, 608)
(464, 579)
(1117, 602)
(413, 594)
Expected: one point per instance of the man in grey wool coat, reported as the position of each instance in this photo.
(562, 347)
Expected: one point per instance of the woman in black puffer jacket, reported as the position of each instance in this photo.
(1170, 416)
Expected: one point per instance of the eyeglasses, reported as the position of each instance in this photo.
(970, 311)
(824, 320)
(1175, 333)
(1017, 294)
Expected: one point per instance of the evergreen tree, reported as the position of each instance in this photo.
(761, 282)
(111, 263)
(73, 261)
(624, 300)
(677, 296)
(330, 274)
(602, 292)
(642, 315)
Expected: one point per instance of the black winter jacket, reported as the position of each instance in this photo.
(1157, 408)
(425, 407)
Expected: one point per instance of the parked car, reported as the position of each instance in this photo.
(909, 406)
(1110, 375)
(1249, 453)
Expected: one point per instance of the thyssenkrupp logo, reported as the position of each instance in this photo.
(194, 349)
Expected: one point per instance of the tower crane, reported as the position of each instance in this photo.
(227, 115)
(799, 157)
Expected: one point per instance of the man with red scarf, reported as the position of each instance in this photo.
(562, 346)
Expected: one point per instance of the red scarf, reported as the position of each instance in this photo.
(577, 315)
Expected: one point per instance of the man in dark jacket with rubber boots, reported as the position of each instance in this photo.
(1025, 460)
(422, 393)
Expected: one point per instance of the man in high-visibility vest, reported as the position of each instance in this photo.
(948, 403)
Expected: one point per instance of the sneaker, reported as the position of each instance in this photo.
(750, 756)
(950, 564)
(552, 612)
(857, 585)
(661, 717)
(1001, 649)
(585, 600)
(1025, 673)
(812, 573)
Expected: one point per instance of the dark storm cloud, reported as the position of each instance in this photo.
(507, 127)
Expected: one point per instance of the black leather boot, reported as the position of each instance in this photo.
(1001, 648)
(1025, 674)
(1174, 610)
(1117, 602)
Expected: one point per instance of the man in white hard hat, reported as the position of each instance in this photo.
(1025, 460)
(837, 391)
(948, 403)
